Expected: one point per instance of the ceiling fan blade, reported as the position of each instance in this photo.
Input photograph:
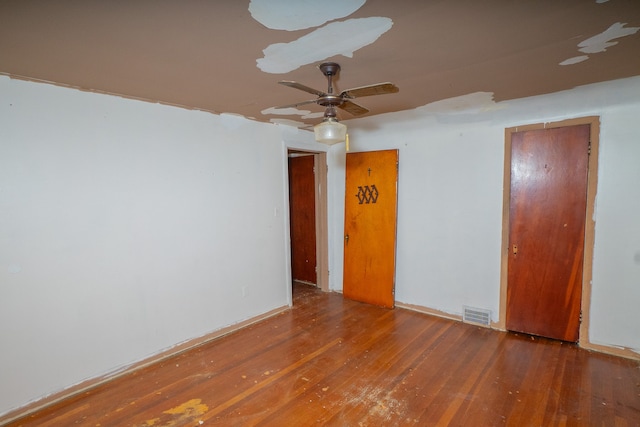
(297, 104)
(376, 89)
(300, 86)
(353, 108)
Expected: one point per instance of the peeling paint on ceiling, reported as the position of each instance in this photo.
(306, 114)
(285, 111)
(337, 38)
(202, 54)
(476, 103)
(600, 42)
(288, 122)
(301, 14)
(575, 60)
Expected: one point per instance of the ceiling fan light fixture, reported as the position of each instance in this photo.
(330, 131)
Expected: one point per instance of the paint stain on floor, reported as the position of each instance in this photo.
(188, 412)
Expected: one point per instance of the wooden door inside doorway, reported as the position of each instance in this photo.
(370, 227)
(547, 215)
(302, 218)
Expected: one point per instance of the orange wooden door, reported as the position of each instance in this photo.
(547, 224)
(302, 218)
(370, 227)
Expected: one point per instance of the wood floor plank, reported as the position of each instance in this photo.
(335, 362)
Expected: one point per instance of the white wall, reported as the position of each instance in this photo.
(126, 228)
(450, 200)
(615, 316)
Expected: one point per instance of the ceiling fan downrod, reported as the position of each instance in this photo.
(330, 69)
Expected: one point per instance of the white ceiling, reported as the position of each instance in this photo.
(226, 56)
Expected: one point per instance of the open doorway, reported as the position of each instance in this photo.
(308, 218)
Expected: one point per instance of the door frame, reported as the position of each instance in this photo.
(592, 181)
(322, 234)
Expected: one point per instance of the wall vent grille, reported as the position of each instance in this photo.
(477, 315)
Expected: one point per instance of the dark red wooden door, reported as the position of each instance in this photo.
(547, 222)
(302, 218)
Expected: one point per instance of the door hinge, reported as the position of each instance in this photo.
(580, 316)
(589, 149)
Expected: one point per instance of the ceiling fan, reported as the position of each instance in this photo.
(330, 130)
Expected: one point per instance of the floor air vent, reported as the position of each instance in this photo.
(477, 315)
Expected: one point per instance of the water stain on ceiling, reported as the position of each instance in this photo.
(227, 56)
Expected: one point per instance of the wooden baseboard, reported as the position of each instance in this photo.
(429, 311)
(86, 385)
(614, 351)
(625, 352)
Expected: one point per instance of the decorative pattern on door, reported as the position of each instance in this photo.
(367, 194)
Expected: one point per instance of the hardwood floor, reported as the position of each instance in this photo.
(331, 361)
